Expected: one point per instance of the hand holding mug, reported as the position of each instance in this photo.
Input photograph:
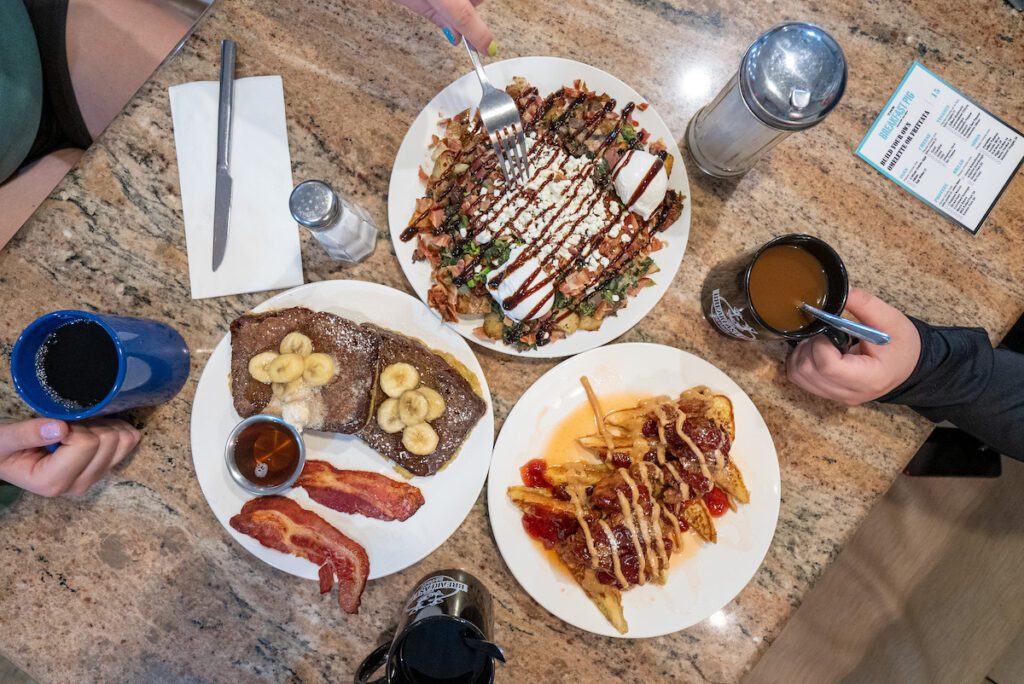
(86, 452)
(867, 371)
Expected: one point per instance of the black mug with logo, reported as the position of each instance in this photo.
(443, 635)
(738, 310)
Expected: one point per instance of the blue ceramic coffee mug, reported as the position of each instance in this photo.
(152, 364)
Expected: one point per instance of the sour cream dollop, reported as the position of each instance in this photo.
(630, 172)
(511, 284)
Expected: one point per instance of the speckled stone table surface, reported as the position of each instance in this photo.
(138, 582)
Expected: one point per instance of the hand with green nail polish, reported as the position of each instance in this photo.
(457, 18)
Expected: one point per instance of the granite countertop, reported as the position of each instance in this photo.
(137, 581)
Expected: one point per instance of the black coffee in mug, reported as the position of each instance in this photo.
(443, 635)
(757, 295)
(77, 364)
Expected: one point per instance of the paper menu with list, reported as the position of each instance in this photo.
(937, 144)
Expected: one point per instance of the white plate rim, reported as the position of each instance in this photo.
(500, 507)
(404, 175)
(483, 432)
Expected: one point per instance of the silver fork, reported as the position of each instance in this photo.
(504, 127)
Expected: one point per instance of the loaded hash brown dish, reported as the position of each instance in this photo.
(537, 261)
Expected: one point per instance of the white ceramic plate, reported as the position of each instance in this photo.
(701, 581)
(547, 74)
(449, 495)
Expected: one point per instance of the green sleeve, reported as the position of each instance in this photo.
(21, 86)
(8, 493)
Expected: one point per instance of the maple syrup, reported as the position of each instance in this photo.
(266, 453)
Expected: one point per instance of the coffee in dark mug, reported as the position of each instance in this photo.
(443, 635)
(758, 294)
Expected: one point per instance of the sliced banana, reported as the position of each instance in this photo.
(413, 407)
(258, 366)
(296, 343)
(285, 368)
(419, 439)
(399, 378)
(288, 391)
(388, 418)
(435, 402)
(319, 369)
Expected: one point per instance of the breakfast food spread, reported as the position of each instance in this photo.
(356, 491)
(561, 252)
(663, 467)
(280, 523)
(314, 369)
(426, 409)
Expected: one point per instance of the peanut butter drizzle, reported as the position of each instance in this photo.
(574, 496)
(614, 544)
(645, 527)
(655, 519)
(677, 534)
(693, 447)
(627, 517)
(659, 411)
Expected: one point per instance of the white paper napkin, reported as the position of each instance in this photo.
(263, 242)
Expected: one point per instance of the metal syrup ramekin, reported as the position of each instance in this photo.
(242, 480)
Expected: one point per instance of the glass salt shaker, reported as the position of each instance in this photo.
(790, 78)
(344, 230)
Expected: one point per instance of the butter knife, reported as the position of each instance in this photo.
(222, 193)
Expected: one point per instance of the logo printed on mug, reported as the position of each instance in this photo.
(433, 592)
(729, 318)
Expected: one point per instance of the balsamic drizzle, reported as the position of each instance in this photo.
(552, 230)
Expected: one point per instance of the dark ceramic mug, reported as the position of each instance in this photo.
(726, 302)
(443, 635)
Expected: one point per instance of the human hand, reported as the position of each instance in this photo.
(457, 18)
(87, 451)
(868, 371)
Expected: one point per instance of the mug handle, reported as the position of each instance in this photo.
(371, 664)
(838, 338)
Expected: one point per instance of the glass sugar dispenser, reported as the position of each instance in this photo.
(789, 79)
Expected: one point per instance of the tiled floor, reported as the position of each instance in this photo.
(928, 590)
(9, 674)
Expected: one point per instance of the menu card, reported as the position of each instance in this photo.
(943, 148)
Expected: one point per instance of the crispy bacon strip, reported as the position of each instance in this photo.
(281, 524)
(356, 491)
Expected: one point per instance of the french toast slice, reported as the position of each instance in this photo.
(347, 399)
(463, 406)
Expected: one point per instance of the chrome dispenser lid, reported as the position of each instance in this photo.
(313, 204)
(793, 75)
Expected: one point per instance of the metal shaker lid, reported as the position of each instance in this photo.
(793, 75)
(313, 204)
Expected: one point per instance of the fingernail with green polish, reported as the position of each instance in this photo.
(492, 49)
(449, 35)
